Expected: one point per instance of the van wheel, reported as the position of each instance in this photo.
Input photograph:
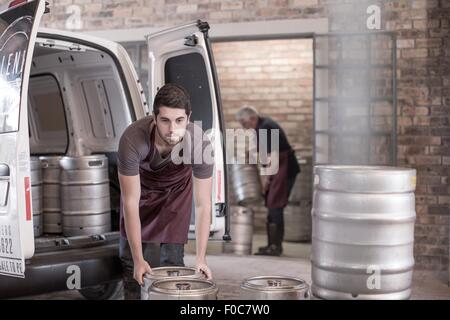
(107, 291)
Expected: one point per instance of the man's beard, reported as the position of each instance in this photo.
(172, 140)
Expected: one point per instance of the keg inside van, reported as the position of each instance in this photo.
(183, 289)
(274, 288)
(166, 273)
(36, 195)
(363, 232)
(85, 199)
(51, 206)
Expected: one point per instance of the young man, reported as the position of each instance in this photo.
(156, 191)
(276, 187)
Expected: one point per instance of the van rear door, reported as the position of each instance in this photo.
(182, 55)
(18, 29)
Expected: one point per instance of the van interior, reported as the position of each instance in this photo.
(78, 106)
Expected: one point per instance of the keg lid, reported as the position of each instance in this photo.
(274, 283)
(170, 272)
(364, 179)
(183, 286)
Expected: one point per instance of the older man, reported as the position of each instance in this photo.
(276, 187)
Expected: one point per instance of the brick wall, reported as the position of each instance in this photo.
(274, 76)
(422, 28)
(423, 42)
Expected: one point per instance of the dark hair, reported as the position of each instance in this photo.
(172, 96)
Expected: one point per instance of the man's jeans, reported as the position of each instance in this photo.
(157, 255)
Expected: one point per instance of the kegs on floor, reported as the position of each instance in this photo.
(51, 207)
(85, 198)
(274, 288)
(363, 232)
(36, 194)
(241, 223)
(183, 289)
(298, 222)
(297, 214)
(303, 186)
(167, 273)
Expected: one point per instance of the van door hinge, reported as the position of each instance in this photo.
(191, 41)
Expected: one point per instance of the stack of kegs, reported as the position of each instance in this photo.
(36, 195)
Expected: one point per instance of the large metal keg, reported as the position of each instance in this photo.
(298, 222)
(303, 186)
(167, 273)
(246, 184)
(363, 232)
(297, 215)
(241, 220)
(36, 194)
(183, 289)
(51, 207)
(274, 288)
(85, 199)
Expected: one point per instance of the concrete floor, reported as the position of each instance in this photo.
(294, 262)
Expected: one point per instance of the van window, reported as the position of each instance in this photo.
(189, 71)
(48, 129)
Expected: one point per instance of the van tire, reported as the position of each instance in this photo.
(107, 291)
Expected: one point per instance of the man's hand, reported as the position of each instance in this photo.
(203, 268)
(140, 269)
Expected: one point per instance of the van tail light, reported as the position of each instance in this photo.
(16, 3)
(19, 2)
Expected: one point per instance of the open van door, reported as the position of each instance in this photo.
(183, 55)
(18, 28)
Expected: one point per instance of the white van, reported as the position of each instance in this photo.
(69, 94)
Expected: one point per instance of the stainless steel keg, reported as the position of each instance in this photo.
(51, 206)
(85, 198)
(241, 232)
(166, 273)
(36, 195)
(183, 289)
(363, 232)
(246, 184)
(298, 222)
(274, 288)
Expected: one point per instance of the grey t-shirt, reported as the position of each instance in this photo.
(135, 144)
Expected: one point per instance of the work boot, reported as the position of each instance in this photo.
(269, 240)
(273, 249)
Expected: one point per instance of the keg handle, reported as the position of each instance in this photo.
(183, 286)
(96, 163)
(173, 273)
(44, 164)
(274, 283)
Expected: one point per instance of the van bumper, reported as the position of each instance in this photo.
(57, 271)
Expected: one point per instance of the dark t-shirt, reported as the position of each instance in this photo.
(135, 144)
(268, 124)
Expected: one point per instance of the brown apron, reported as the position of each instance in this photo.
(165, 205)
(277, 192)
